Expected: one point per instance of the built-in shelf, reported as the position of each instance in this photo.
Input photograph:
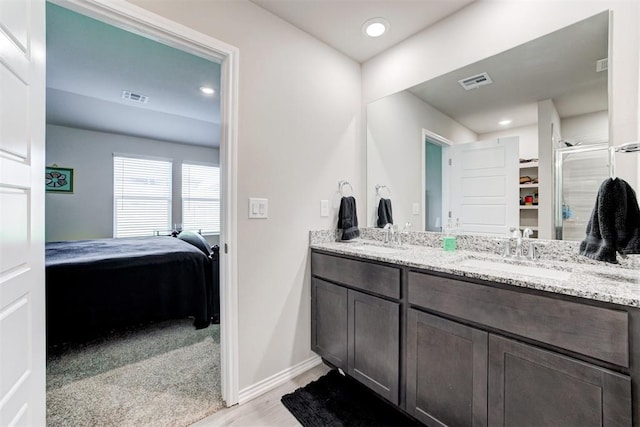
(528, 165)
(529, 213)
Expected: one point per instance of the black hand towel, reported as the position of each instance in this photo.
(348, 218)
(614, 225)
(384, 213)
(630, 237)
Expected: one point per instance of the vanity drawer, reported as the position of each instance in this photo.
(379, 279)
(597, 332)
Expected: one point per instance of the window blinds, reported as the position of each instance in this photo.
(142, 196)
(201, 198)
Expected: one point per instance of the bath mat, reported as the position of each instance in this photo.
(335, 400)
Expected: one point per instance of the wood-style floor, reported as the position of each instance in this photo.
(266, 410)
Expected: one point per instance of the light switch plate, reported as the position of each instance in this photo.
(258, 208)
(324, 208)
(416, 209)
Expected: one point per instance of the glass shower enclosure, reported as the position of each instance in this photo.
(579, 172)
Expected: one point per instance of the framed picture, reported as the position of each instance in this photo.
(59, 180)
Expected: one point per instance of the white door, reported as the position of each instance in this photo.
(22, 291)
(485, 185)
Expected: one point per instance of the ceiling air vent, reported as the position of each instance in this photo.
(476, 81)
(135, 97)
(602, 65)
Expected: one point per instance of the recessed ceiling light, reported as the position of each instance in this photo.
(207, 90)
(375, 27)
(504, 122)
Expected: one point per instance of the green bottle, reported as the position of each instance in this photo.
(449, 243)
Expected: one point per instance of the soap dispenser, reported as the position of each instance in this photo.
(449, 240)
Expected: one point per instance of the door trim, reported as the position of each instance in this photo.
(150, 25)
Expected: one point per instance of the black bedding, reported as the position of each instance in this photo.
(98, 285)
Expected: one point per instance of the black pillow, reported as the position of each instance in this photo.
(196, 240)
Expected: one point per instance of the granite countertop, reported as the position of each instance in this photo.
(600, 282)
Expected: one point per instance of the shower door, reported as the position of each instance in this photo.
(579, 172)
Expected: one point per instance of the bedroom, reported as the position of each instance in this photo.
(141, 171)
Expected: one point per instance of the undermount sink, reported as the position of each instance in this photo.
(525, 270)
(387, 250)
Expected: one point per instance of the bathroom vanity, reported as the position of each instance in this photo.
(453, 342)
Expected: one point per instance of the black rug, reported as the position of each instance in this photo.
(335, 400)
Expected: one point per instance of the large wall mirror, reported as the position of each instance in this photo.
(515, 140)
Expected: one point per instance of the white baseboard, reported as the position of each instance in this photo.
(261, 387)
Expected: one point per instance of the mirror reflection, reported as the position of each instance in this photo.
(517, 140)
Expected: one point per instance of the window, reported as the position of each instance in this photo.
(201, 198)
(141, 196)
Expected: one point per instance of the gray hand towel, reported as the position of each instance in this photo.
(614, 225)
(348, 218)
(384, 213)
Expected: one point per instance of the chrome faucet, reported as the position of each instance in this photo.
(405, 233)
(389, 233)
(533, 249)
(515, 234)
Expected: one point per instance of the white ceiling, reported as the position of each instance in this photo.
(90, 63)
(560, 66)
(338, 23)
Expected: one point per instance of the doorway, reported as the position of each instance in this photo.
(433, 186)
(435, 181)
(139, 21)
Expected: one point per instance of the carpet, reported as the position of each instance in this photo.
(166, 374)
(335, 400)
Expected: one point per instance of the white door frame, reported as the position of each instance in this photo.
(445, 144)
(150, 25)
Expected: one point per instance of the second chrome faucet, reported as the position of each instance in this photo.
(533, 247)
(393, 236)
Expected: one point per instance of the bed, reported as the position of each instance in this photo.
(94, 286)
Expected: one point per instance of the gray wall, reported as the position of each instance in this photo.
(88, 212)
(299, 133)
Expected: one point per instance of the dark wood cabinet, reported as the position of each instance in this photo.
(374, 343)
(457, 352)
(446, 371)
(529, 386)
(602, 333)
(352, 326)
(329, 322)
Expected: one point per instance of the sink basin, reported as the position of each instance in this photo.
(525, 270)
(387, 250)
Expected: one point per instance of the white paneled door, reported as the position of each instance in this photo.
(22, 288)
(485, 186)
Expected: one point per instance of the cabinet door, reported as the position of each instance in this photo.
(446, 371)
(374, 344)
(533, 387)
(329, 322)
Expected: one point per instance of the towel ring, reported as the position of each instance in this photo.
(342, 184)
(379, 189)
